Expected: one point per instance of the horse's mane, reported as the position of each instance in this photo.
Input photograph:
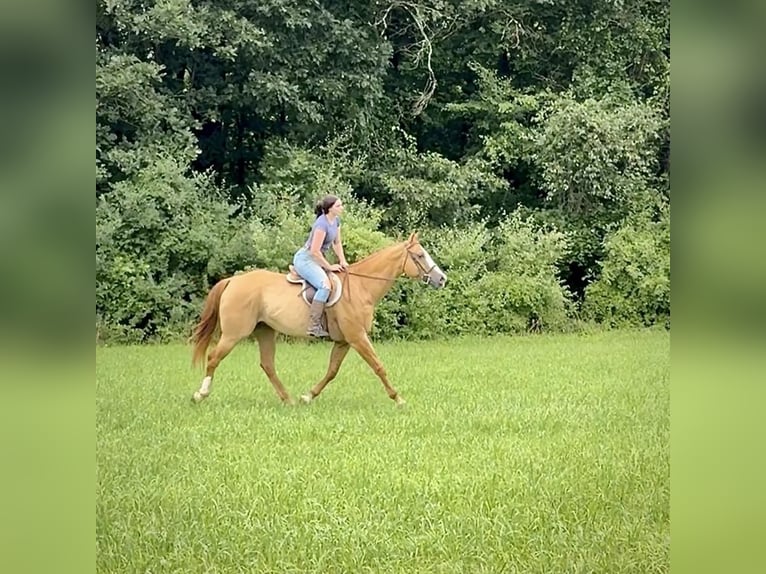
(375, 254)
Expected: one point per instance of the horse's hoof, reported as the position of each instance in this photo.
(306, 399)
(400, 402)
(289, 402)
(197, 397)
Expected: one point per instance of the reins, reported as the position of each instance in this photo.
(347, 272)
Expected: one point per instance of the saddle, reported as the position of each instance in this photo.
(308, 291)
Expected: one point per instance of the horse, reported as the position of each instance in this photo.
(264, 303)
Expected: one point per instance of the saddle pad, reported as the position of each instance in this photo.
(308, 290)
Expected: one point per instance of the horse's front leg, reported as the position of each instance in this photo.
(339, 350)
(363, 346)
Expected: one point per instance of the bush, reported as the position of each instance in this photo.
(598, 158)
(162, 238)
(498, 282)
(634, 286)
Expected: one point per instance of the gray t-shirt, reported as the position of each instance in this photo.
(330, 229)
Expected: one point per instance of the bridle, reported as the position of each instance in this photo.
(426, 273)
(413, 257)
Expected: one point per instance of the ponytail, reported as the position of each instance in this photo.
(324, 204)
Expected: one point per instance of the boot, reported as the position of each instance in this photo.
(315, 320)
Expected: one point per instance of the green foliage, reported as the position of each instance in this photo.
(596, 162)
(429, 190)
(622, 48)
(501, 116)
(528, 257)
(634, 286)
(502, 281)
(524, 141)
(161, 239)
(134, 121)
(360, 230)
(301, 175)
(275, 240)
(597, 157)
(503, 137)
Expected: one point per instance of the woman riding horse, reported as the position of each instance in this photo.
(263, 303)
(310, 263)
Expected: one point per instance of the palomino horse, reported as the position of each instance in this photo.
(264, 303)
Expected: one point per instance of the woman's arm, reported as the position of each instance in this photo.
(337, 246)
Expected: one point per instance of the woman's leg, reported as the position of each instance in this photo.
(311, 271)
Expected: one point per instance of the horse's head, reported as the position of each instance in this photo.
(419, 264)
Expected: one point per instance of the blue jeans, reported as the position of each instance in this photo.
(307, 267)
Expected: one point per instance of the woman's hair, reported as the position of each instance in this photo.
(324, 204)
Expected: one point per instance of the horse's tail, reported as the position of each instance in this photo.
(208, 322)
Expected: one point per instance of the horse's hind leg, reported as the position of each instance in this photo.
(219, 352)
(337, 355)
(267, 345)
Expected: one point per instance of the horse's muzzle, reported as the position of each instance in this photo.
(436, 282)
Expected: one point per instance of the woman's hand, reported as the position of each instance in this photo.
(344, 264)
(335, 267)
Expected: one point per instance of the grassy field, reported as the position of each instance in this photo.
(533, 454)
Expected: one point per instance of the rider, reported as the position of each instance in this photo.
(310, 263)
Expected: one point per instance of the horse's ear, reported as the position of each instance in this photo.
(413, 238)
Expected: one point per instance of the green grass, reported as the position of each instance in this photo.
(531, 454)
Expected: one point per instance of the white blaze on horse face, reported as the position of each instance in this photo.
(434, 271)
(430, 264)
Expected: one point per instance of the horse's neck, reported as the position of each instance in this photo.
(379, 271)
